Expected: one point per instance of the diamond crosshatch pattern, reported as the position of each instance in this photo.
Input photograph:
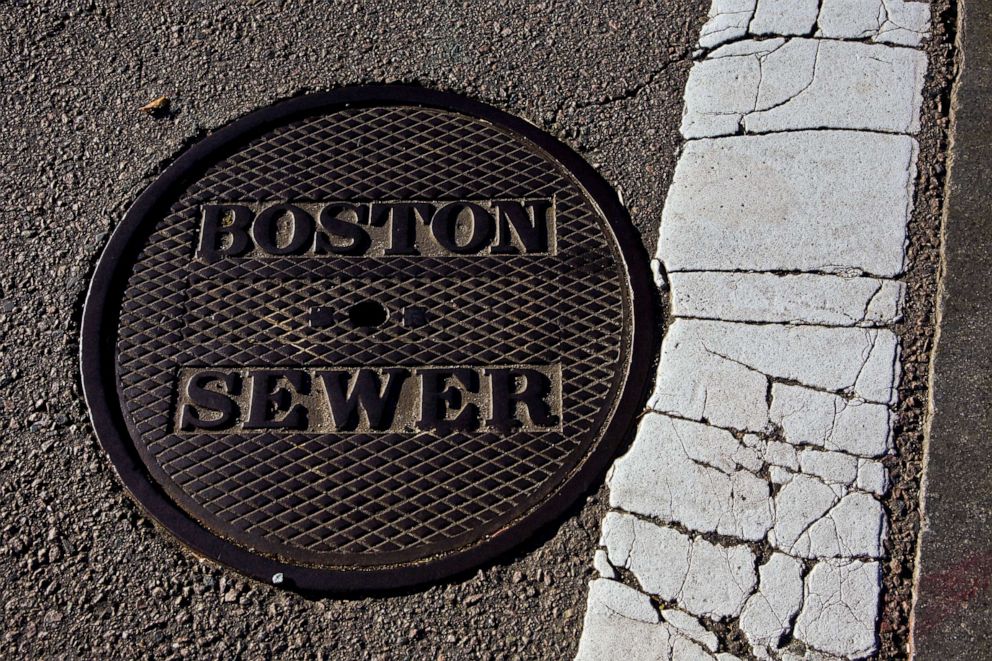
(371, 500)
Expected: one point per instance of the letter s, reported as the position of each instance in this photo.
(201, 399)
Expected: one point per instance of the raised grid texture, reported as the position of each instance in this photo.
(365, 500)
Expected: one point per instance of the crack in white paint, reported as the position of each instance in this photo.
(885, 21)
(728, 19)
(797, 299)
(783, 85)
(768, 614)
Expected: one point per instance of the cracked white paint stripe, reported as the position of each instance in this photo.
(804, 298)
(831, 201)
(750, 496)
(804, 83)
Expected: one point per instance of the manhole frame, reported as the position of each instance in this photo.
(99, 331)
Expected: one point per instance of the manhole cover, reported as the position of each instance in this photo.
(366, 339)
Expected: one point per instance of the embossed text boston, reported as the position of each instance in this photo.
(374, 229)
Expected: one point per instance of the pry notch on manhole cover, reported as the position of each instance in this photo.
(368, 338)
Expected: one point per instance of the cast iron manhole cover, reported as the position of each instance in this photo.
(368, 338)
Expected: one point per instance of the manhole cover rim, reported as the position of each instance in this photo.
(98, 334)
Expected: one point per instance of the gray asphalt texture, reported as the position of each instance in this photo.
(954, 591)
(85, 574)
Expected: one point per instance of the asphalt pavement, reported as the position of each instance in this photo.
(86, 574)
(954, 582)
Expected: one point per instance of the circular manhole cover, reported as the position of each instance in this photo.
(367, 339)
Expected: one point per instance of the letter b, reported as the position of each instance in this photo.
(216, 226)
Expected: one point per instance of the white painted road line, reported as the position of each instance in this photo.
(748, 505)
(778, 85)
(832, 201)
